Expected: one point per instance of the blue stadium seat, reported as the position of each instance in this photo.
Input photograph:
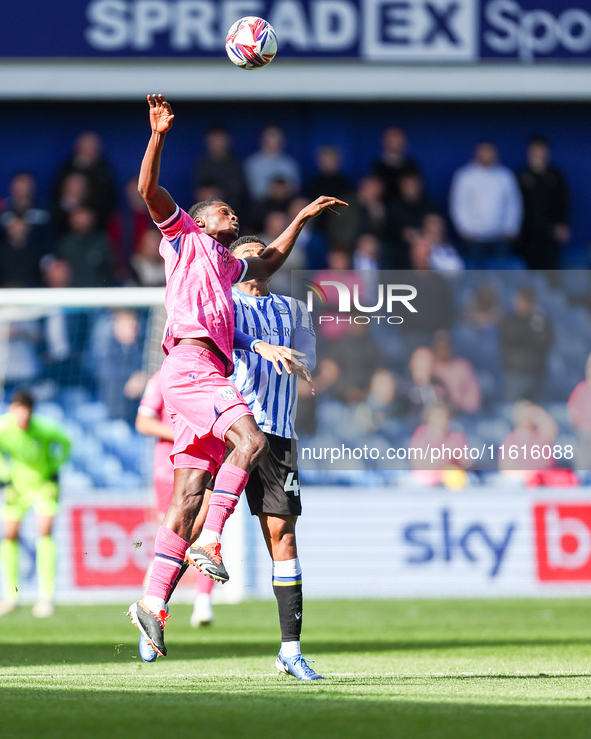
(50, 410)
(90, 413)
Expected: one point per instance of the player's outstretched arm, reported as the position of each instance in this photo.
(159, 202)
(277, 252)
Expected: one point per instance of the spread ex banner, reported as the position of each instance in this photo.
(379, 30)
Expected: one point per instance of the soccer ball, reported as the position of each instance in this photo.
(251, 43)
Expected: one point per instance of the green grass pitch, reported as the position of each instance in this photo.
(412, 669)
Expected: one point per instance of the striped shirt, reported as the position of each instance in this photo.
(281, 321)
(199, 278)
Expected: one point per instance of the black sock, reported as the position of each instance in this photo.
(287, 586)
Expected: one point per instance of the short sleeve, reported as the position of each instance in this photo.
(152, 401)
(237, 269)
(302, 319)
(304, 338)
(180, 222)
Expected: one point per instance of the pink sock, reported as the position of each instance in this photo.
(169, 556)
(229, 484)
(203, 584)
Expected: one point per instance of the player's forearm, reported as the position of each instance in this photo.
(277, 252)
(150, 169)
(150, 426)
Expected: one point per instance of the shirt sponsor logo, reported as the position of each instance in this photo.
(227, 393)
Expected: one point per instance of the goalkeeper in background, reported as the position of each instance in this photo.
(33, 449)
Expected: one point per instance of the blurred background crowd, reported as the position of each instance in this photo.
(92, 230)
(497, 347)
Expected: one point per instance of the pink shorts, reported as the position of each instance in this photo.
(202, 404)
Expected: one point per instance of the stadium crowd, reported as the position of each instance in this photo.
(487, 354)
(95, 231)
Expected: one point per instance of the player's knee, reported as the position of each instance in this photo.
(256, 447)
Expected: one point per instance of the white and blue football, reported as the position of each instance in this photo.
(251, 43)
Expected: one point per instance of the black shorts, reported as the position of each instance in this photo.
(274, 486)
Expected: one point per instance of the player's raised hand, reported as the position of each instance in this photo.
(161, 114)
(321, 204)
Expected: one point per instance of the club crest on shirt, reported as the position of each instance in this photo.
(280, 308)
(227, 393)
(192, 376)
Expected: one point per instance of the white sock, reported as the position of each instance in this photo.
(208, 537)
(154, 603)
(290, 648)
(287, 567)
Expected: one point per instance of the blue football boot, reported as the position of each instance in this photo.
(147, 651)
(296, 666)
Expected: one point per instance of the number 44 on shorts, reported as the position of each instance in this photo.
(292, 484)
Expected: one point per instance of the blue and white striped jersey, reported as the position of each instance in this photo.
(281, 321)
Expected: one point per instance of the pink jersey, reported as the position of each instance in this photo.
(199, 278)
(152, 404)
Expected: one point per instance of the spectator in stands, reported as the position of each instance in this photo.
(87, 251)
(25, 234)
(56, 272)
(126, 231)
(526, 336)
(339, 270)
(579, 412)
(118, 364)
(405, 215)
(545, 208)
(275, 223)
(21, 202)
(392, 162)
(23, 365)
(74, 193)
(435, 434)
(278, 197)
(485, 206)
(444, 256)
(340, 371)
(456, 375)
(366, 256)
(433, 301)
(87, 158)
(270, 162)
(329, 177)
(311, 242)
(67, 334)
(220, 167)
(422, 389)
(533, 427)
(22, 248)
(146, 263)
(381, 403)
(483, 310)
(370, 208)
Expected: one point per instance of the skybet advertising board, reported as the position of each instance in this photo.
(422, 543)
(378, 543)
